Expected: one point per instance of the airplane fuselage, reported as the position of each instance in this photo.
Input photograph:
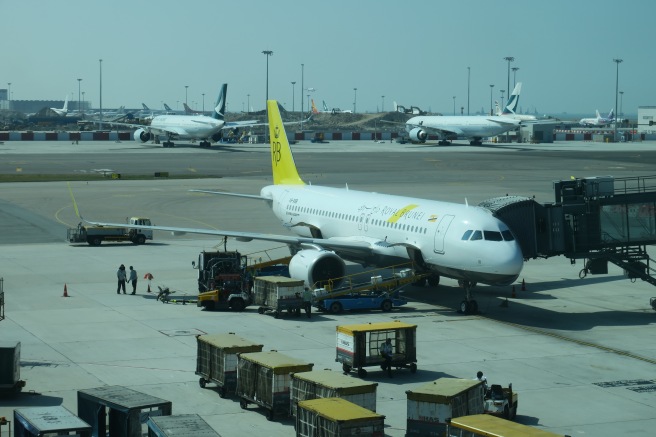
(463, 126)
(436, 230)
(186, 126)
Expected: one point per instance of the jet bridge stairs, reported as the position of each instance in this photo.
(597, 219)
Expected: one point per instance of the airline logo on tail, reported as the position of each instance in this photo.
(513, 101)
(282, 161)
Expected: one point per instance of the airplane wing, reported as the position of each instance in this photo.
(340, 244)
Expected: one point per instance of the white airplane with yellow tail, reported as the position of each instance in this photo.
(330, 225)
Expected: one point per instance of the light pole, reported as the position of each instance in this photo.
(491, 86)
(302, 88)
(8, 95)
(617, 61)
(502, 91)
(355, 100)
(293, 95)
(79, 110)
(83, 98)
(621, 114)
(101, 116)
(203, 94)
(514, 69)
(186, 89)
(509, 59)
(454, 105)
(468, 82)
(267, 53)
(382, 106)
(248, 104)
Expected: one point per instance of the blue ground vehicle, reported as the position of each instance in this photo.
(373, 300)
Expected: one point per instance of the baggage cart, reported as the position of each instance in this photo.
(432, 404)
(484, 425)
(328, 384)
(180, 425)
(117, 411)
(337, 417)
(263, 378)
(278, 293)
(216, 360)
(358, 345)
(10, 382)
(48, 421)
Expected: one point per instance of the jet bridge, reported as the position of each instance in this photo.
(598, 219)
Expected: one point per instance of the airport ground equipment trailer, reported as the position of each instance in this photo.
(95, 235)
(358, 345)
(264, 378)
(432, 404)
(337, 417)
(277, 294)
(484, 425)
(10, 382)
(501, 401)
(379, 292)
(216, 360)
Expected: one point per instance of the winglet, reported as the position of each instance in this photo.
(282, 160)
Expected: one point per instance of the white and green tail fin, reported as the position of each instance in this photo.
(282, 160)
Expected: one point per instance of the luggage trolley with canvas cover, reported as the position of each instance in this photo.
(216, 360)
(359, 345)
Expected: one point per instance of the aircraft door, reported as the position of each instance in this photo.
(440, 232)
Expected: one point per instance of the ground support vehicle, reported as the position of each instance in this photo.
(484, 425)
(225, 279)
(95, 235)
(379, 292)
(431, 405)
(358, 345)
(337, 417)
(10, 382)
(328, 384)
(216, 360)
(263, 378)
(277, 294)
(501, 401)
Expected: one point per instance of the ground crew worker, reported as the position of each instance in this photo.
(133, 279)
(307, 302)
(120, 274)
(386, 351)
(481, 377)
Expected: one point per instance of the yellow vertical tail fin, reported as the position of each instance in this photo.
(282, 161)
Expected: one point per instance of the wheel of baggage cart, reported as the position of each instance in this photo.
(413, 368)
(202, 382)
(243, 404)
(386, 305)
(297, 312)
(238, 304)
(260, 310)
(362, 373)
(335, 307)
(276, 314)
(346, 368)
(269, 414)
(222, 392)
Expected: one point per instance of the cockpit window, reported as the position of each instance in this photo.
(492, 235)
(466, 235)
(507, 235)
(478, 235)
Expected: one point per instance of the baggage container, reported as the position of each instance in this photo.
(358, 346)
(336, 417)
(328, 384)
(264, 378)
(181, 425)
(430, 405)
(484, 425)
(48, 421)
(277, 294)
(216, 360)
(117, 411)
(10, 382)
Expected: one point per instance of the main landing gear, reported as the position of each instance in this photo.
(476, 142)
(469, 305)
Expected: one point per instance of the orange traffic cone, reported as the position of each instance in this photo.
(65, 291)
(523, 285)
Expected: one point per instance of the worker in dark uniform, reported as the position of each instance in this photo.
(121, 275)
(387, 352)
(307, 302)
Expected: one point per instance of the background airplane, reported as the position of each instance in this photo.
(599, 120)
(62, 111)
(447, 127)
(510, 110)
(330, 225)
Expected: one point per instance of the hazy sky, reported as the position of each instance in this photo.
(412, 52)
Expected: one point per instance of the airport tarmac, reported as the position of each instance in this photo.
(579, 352)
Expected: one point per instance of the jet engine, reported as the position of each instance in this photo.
(418, 135)
(141, 135)
(217, 136)
(316, 267)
